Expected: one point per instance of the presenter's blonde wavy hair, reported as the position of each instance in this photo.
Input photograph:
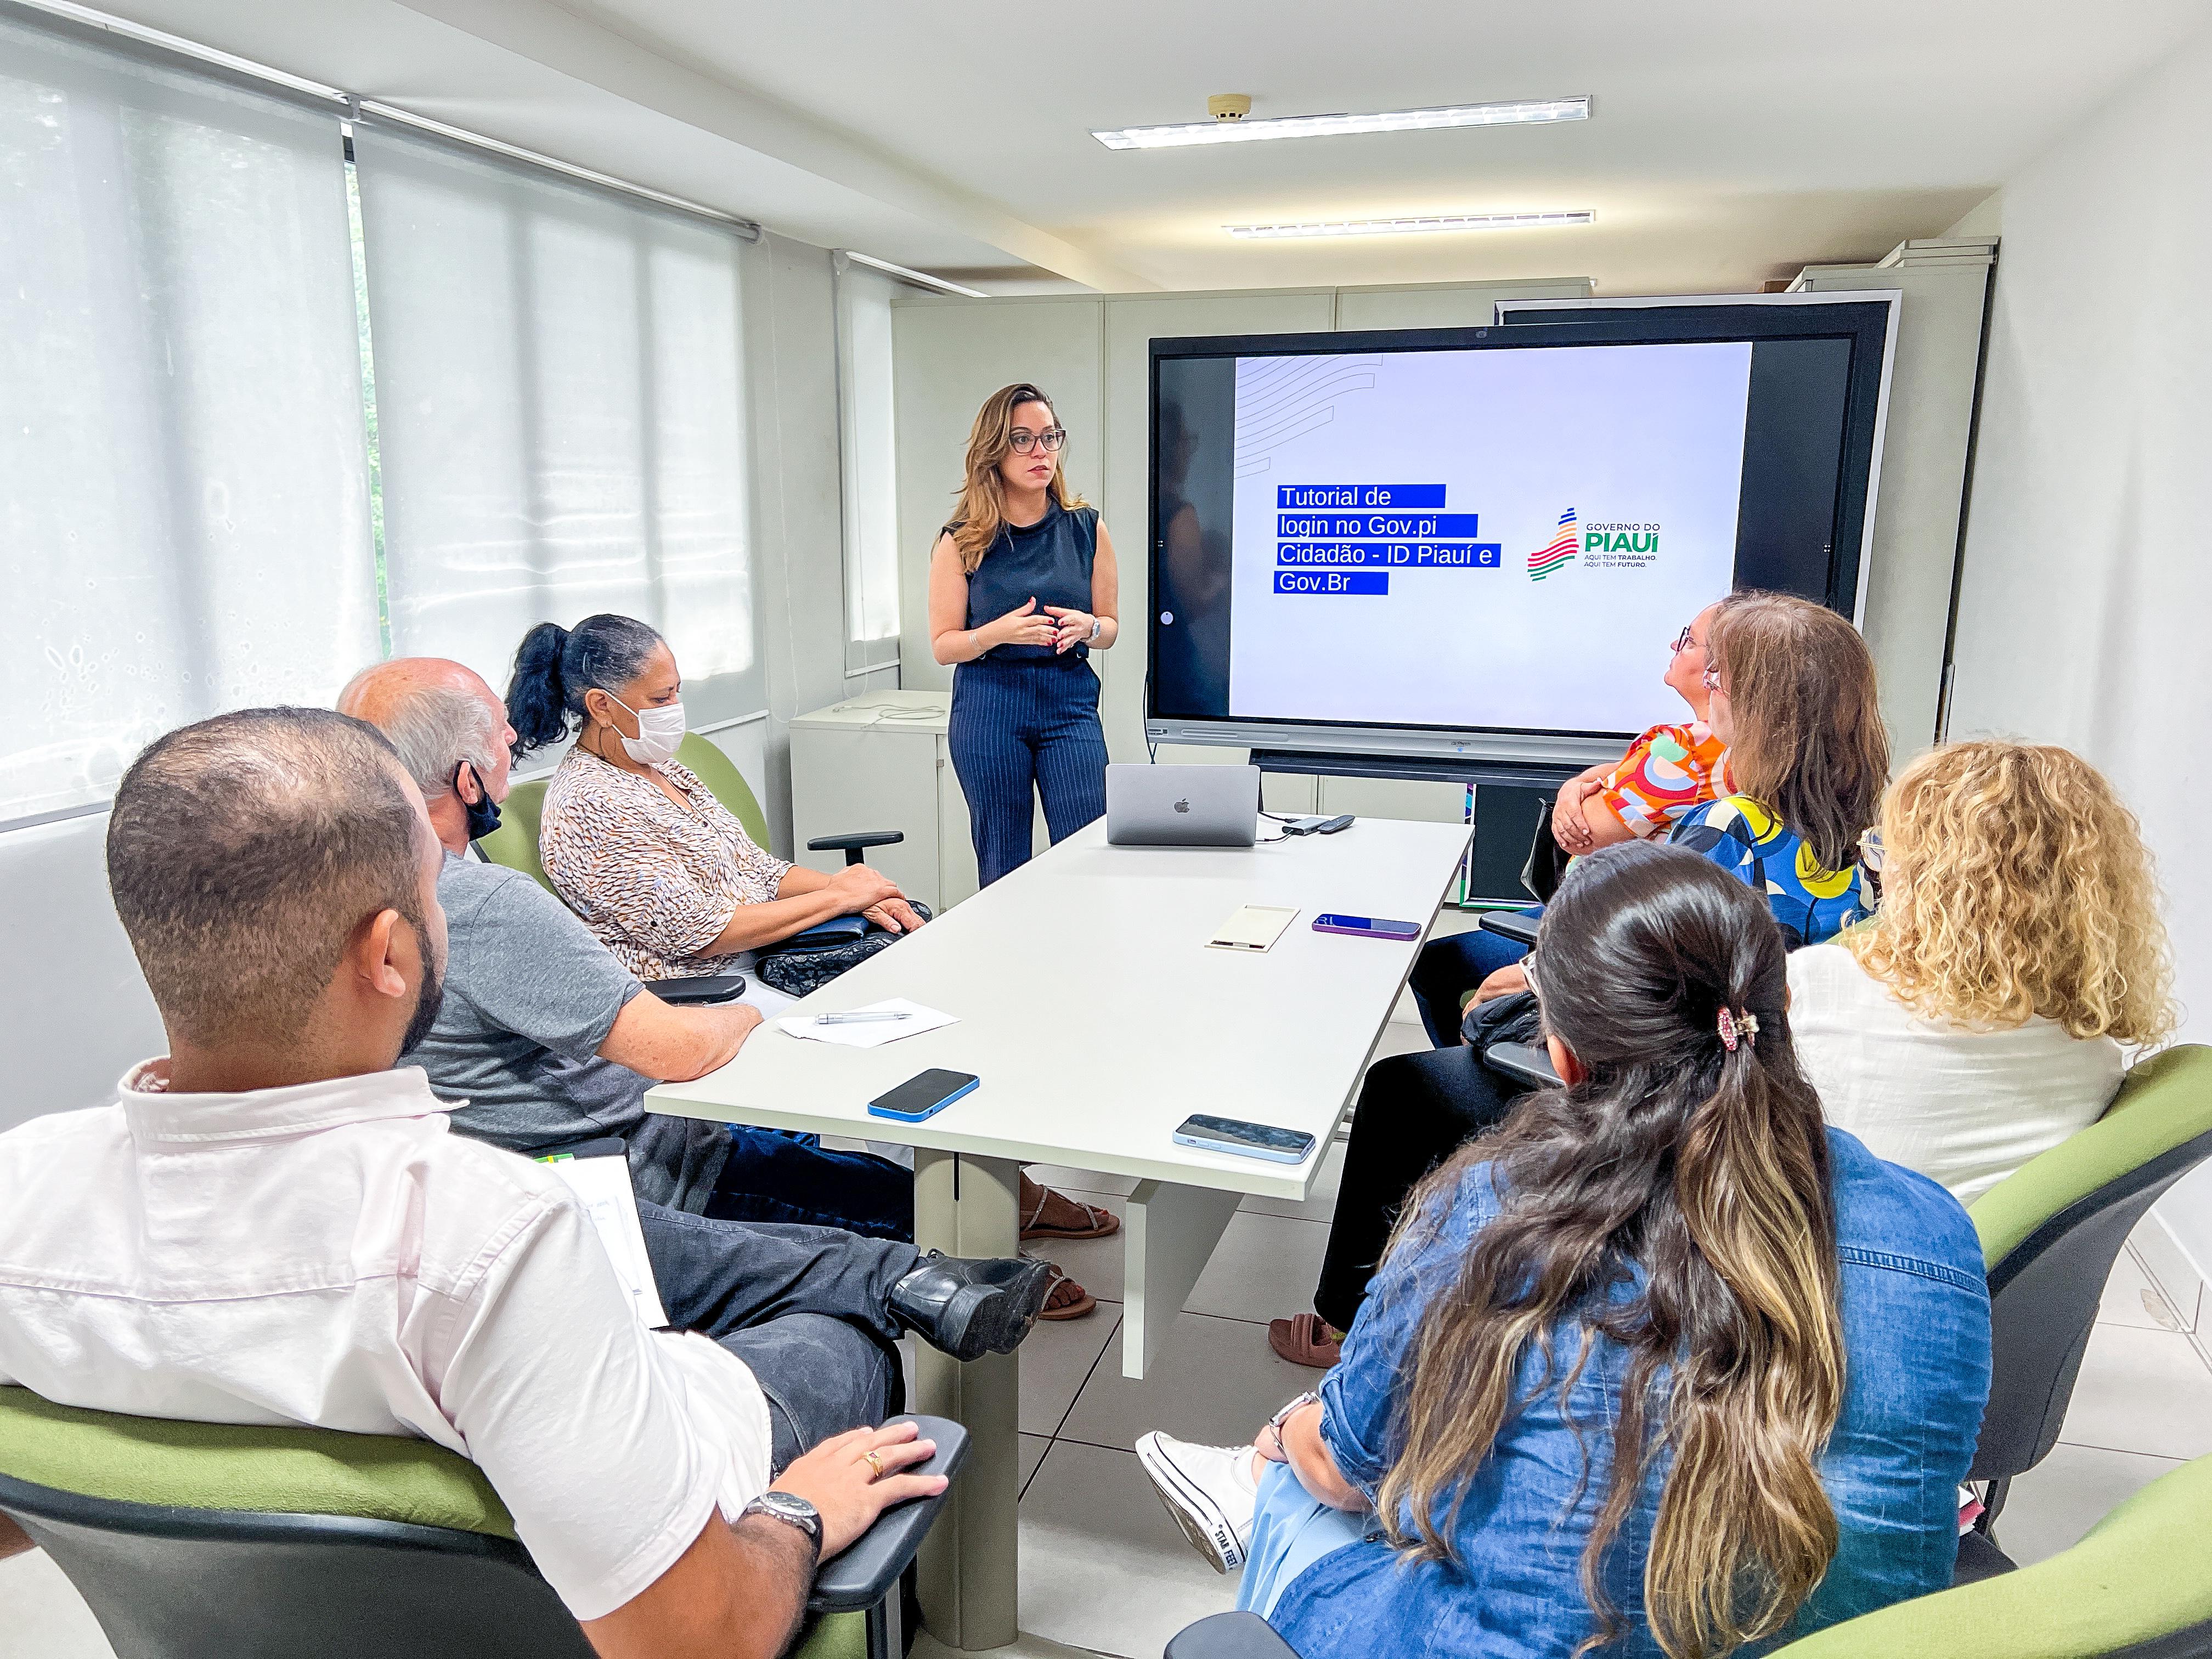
(2014, 884)
(981, 510)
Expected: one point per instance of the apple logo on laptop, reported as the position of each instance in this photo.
(1183, 805)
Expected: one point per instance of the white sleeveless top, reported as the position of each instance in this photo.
(1964, 1106)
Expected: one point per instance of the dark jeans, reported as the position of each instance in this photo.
(1023, 730)
(770, 1176)
(1414, 1111)
(1448, 969)
(807, 1309)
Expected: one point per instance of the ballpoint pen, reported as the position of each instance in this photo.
(857, 1018)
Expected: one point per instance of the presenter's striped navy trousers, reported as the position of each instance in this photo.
(1018, 725)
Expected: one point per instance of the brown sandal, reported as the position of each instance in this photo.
(1067, 1300)
(1304, 1339)
(1097, 1222)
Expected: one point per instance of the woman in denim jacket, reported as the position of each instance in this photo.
(1663, 1366)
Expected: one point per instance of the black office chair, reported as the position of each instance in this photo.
(200, 1541)
(856, 843)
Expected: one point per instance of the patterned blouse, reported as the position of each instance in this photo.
(1667, 771)
(656, 883)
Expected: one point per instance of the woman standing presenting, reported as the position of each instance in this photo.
(1022, 589)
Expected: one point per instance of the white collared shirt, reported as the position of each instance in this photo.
(329, 1254)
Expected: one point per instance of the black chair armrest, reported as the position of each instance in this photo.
(870, 1570)
(1979, 1558)
(853, 840)
(714, 987)
(1511, 924)
(1229, 1635)
(1522, 1063)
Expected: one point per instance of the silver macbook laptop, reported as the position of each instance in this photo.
(1181, 805)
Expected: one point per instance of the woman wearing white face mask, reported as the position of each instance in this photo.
(658, 869)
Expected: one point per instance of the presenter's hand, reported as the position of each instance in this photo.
(842, 1485)
(861, 887)
(1026, 626)
(1074, 628)
(893, 915)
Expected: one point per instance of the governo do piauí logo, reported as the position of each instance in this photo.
(1557, 551)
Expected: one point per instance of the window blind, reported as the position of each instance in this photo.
(561, 414)
(184, 502)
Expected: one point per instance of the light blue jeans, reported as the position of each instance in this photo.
(1291, 1530)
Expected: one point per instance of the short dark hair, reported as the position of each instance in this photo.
(555, 665)
(242, 852)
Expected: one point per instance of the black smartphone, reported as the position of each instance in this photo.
(923, 1096)
(1234, 1135)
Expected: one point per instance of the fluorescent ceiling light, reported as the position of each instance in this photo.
(1328, 126)
(1418, 221)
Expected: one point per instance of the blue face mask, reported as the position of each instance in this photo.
(484, 811)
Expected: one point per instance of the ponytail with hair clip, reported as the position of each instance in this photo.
(1731, 1024)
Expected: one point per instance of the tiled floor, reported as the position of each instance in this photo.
(1105, 1569)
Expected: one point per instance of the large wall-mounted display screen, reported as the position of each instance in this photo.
(1485, 538)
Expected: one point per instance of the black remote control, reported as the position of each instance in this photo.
(1341, 821)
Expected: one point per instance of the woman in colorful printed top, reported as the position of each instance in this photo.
(667, 878)
(1670, 768)
(1663, 1367)
(1794, 697)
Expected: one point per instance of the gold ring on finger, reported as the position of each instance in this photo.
(875, 1465)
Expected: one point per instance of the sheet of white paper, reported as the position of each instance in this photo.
(603, 1184)
(871, 1033)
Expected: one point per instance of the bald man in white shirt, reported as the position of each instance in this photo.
(273, 1225)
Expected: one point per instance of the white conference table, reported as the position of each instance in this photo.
(1097, 1018)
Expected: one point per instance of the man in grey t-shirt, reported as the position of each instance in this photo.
(531, 997)
(544, 1040)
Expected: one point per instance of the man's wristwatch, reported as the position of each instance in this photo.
(793, 1511)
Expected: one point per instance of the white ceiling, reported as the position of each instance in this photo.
(1732, 142)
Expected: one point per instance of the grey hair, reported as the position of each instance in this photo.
(436, 727)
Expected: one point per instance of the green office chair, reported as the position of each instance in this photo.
(203, 1540)
(2049, 1232)
(720, 775)
(2139, 1587)
(514, 843)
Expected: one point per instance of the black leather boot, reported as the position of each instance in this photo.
(968, 1308)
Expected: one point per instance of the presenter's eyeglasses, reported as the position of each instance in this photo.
(1684, 640)
(1052, 439)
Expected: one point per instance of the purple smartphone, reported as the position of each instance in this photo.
(1367, 927)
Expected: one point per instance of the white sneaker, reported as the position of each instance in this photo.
(1209, 1490)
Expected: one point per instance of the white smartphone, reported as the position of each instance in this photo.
(1234, 1135)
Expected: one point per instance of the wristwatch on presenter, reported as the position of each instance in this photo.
(793, 1511)
(1097, 626)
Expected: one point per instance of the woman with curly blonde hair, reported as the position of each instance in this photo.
(1986, 1011)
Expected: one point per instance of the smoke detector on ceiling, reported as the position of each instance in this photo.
(1228, 105)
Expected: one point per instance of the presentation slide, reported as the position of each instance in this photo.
(1479, 539)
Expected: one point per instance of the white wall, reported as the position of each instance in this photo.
(2086, 591)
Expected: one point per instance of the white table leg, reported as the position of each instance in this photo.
(969, 1565)
(1171, 1232)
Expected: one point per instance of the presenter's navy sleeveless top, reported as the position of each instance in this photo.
(1050, 561)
